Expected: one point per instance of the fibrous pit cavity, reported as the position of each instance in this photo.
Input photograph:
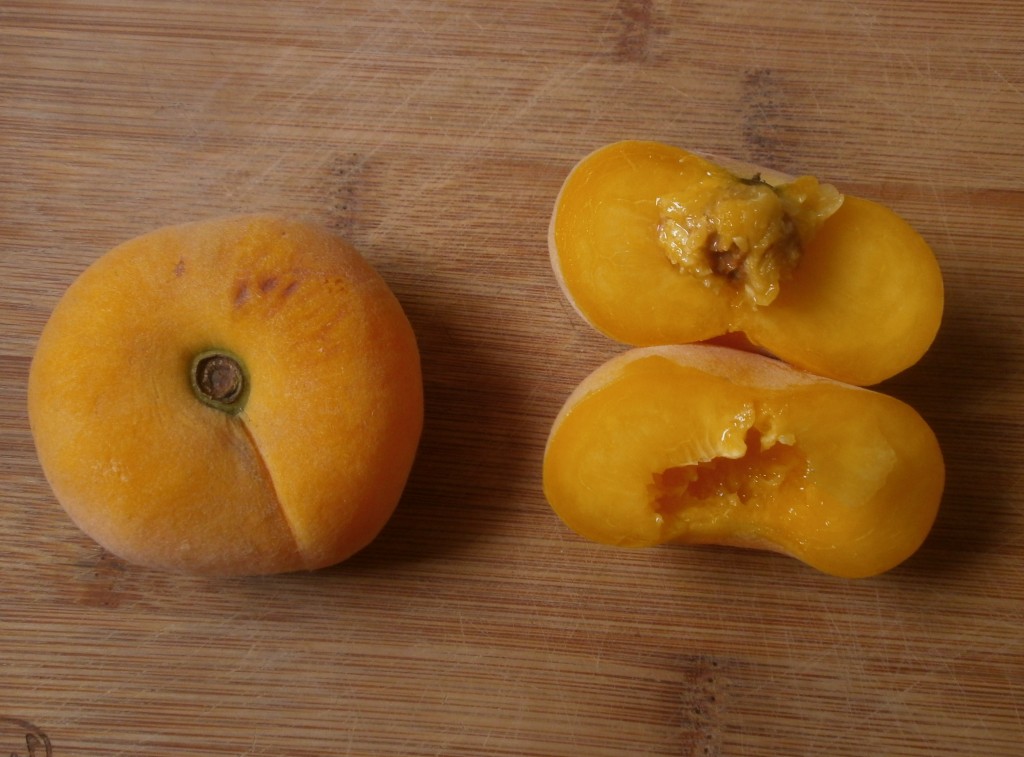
(767, 466)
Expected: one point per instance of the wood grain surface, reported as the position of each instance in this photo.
(435, 135)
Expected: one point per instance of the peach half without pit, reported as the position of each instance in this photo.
(702, 444)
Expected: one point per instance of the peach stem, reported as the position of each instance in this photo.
(218, 380)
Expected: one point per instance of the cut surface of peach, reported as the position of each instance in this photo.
(699, 444)
(656, 245)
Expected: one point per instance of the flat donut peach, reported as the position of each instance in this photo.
(229, 397)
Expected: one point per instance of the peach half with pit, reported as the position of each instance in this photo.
(653, 245)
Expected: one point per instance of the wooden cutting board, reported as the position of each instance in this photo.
(435, 136)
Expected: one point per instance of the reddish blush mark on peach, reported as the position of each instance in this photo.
(290, 289)
(241, 295)
(179, 269)
(268, 284)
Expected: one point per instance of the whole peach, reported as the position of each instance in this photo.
(229, 397)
